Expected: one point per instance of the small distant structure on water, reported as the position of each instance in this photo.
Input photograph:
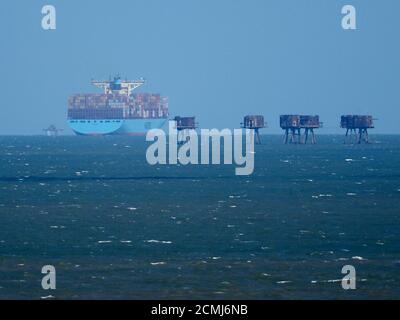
(52, 131)
(293, 124)
(254, 122)
(184, 125)
(352, 123)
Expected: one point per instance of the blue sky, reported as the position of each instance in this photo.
(218, 60)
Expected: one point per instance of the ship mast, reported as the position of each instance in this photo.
(119, 86)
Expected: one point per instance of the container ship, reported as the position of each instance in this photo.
(117, 111)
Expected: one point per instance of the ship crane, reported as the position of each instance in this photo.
(119, 86)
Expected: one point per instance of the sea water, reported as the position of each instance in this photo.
(115, 227)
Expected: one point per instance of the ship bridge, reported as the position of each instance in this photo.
(117, 85)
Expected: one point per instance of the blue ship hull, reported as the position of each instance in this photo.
(115, 126)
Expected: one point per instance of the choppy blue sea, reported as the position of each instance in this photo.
(116, 228)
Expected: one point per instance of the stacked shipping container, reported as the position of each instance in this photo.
(117, 106)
